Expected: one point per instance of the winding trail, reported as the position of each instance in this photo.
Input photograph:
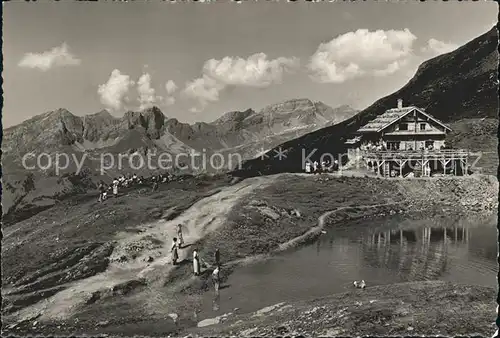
(315, 231)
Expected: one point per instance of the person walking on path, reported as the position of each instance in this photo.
(196, 263)
(217, 257)
(155, 183)
(102, 189)
(216, 279)
(175, 253)
(115, 187)
(179, 235)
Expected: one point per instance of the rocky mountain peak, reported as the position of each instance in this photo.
(287, 106)
(233, 117)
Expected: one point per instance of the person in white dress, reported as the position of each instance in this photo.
(216, 279)
(115, 187)
(196, 263)
(308, 167)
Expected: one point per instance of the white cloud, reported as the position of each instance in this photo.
(353, 54)
(256, 71)
(57, 56)
(147, 94)
(169, 100)
(113, 93)
(171, 87)
(204, 89)
(437, 47)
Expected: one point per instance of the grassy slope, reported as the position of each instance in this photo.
(478, 135)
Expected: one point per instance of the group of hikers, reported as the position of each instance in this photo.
(129, 180)
(323, 167)
(178, 243)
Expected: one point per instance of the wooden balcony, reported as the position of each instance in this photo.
(456, 154)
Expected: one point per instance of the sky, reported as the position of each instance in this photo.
(197, 61)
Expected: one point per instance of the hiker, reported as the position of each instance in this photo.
(125, 181)
(217, 257)
(196, 263)
(174, 250)
(216, 279)
(102, 190)
(315, 166)
(179, 235)
(155, 183)
(115, 187)
(308, 167)
(323, 166)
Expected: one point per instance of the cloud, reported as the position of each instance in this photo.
(256, 71)
(169, 100)
(437, 47)
(204, 89)
(147, 94)
(363, 52)
(113, 93)
(56, 57)
(171, 87)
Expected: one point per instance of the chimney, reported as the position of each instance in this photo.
(400, 103)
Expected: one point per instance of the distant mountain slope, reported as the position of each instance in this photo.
(454, 86)
(236, 129)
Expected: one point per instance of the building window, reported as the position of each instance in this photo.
(403, 126)
(429, 144)
(422, 126)
(393, 145)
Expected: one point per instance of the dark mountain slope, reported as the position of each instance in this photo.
(454, 86)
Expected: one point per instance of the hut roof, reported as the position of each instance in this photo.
(392, 115)
(385, 119)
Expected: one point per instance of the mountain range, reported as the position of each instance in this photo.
(459, 88)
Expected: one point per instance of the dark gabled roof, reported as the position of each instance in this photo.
(392, 115)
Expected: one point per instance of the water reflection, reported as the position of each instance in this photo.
(424, 253)
(216, 302)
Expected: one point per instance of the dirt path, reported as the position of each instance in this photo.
(315, 231)
(132, 253)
